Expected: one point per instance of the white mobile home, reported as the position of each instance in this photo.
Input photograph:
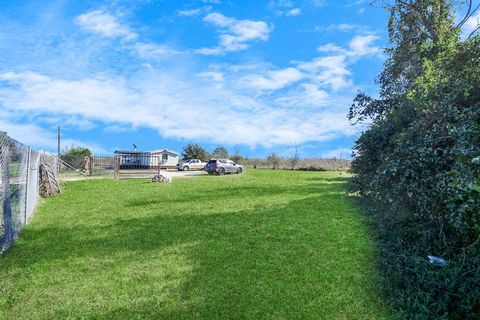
(163, 157)
(134, 159)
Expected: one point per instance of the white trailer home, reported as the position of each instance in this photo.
(164, 157)
(133, 159)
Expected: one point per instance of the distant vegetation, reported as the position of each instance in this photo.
(273, 161)
(220, 152)
(307, 164)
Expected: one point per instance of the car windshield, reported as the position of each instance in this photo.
(212, 161)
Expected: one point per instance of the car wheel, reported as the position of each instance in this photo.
(239, 170)
(185, 168)
(210, 173)
(221, 171)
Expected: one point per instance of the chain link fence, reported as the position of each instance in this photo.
(23, 176)
(19, 187)
(79, 166)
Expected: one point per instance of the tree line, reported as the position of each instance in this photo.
(272, 161)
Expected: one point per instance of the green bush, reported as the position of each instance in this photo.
(416, 164)
(75, 157)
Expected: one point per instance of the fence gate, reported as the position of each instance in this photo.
(133, 165)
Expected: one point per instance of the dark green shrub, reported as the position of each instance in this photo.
(416, 165)
(75, 157)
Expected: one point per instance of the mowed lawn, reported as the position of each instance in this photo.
(261, 245)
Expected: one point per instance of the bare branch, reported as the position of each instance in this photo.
(467, 15)
(470, 13)
(474, 31)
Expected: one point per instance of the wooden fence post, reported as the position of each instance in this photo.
(117, 168)
(90, 169)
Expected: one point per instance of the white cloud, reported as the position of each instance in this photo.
(293, 12)
(209, 51)
(361, 45)
(277, 106)
(331, 48)
(104, 24)
(213, 75)
(107, 25)
(273, 80)
(235, 35)
(283, 8)
(471, 24)
(344, 27)
(329, 71)
(152, 51)
(154, 99)
(273, 4)
(188, 13)
(355, 3)
(194, 12)
(307, 95)
(332, 70)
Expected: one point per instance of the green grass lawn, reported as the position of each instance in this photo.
(264, 244)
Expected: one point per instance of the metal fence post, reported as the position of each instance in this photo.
(6, 205)
(27, 177)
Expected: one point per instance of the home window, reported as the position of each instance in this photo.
(164, 157)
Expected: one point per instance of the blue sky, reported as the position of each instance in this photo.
(254, 76)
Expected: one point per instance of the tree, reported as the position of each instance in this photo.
(194, 151)
(295, 158)
(415, 161)
(236, 157)
(274, 159)
(75, 156)
(220, 152)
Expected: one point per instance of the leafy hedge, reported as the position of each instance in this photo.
(418, 164)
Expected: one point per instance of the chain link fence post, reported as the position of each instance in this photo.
(5, 190)
(27, 182)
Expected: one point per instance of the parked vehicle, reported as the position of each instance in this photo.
(222, 166)
(192, 164)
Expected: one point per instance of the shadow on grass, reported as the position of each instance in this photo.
(307, 258)
(335, 179)
(233, 193)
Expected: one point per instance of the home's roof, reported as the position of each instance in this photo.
(128, 152)
(136, 152)
(164, 151)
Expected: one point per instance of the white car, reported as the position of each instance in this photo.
(192, 164)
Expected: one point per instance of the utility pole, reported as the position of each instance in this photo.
(58, 143)
(58, 149)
